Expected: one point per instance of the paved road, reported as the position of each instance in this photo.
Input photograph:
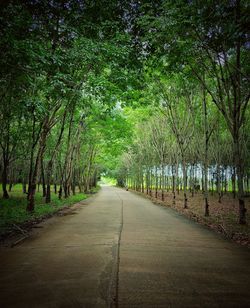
(120, 250)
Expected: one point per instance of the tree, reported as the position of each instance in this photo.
(195, 37)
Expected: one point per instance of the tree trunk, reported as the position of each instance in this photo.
(73, 186)
(225, 181)
(48, 194)
(147, 181)
(60, 192)
(34, 172)
(65, 188)
(173, 184)
(233, 179)
(206, 137)
(48, 179)
(24, 188)
(184, 170)
(162, 182)
(142, 181)
(43, 180)
(177, 178)
(32, 184)
(239, 171)
(150, 182)
(4, 180)
(31, 198)
(219, 183)
(156, 183)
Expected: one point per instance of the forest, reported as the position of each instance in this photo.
(153, 94)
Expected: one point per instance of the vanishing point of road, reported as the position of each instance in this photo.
(120, 250)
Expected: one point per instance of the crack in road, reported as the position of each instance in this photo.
(112, 269)
(118, 259)
(113, 293)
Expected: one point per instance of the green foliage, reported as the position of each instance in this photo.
(117, 87)
(108, 180)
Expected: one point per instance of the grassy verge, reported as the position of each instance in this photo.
(13, 211)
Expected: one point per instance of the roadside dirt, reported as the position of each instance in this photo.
(223, 217)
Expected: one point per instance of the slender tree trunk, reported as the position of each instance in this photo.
(239, 170)
(233, 179)
(147, 181)
(212, 183)
(142, 180)
(24, 188)
(162, 183)
(65, 188)
(219, 183)
(177, 178)
(225, 181)
(156, 183)
(43, 179)
(10, 187)
(4, 179)
(50, 163)
(73, 187)
(193, 180)
(173, 183)
(184, 170)
(206, 155)
(150, 182)
(48, 190)
(60, 192)
(34, 172)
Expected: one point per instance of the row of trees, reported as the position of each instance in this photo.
(206, 43)
(66, 66)
(61, 74)
(173, 152)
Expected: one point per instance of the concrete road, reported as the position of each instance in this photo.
(120, 250)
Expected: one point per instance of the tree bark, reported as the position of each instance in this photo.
(206, 138)
(24, 188)
(50, 163)
(173, 183)
(34, 172)
(184, 170)
(48, 190)
(239, 171)
(43, 179)
(4, 179)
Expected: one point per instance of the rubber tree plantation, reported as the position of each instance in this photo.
(153, 94)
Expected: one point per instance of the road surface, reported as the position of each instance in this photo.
(120, 250)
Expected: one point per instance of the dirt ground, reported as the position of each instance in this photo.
(223, 216)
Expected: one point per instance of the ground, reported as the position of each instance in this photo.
(223, 216)
(118, 249)
(14, 219)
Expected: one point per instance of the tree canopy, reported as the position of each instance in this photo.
(153, 93)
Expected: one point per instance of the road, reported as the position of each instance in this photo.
(120, 250)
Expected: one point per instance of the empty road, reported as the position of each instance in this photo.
(120, 250)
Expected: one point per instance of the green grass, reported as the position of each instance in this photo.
(95, 189)
(13, 210)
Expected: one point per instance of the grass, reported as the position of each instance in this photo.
(13, 210)
(95, 189)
